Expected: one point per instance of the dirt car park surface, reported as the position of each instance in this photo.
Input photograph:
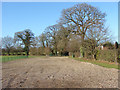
(56, 72)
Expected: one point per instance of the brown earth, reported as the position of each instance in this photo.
(56, 72)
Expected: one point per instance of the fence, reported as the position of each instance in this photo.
(9, 58)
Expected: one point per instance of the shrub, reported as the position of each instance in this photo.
(107, 55)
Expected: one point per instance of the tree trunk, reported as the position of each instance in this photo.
(8, 51)
(43, 44)
(27, 51)
(56, 50)
(82, 40)
(94, 57)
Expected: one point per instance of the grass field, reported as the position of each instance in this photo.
(100, 63)
(10, 58)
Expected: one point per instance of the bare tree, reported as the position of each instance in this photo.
(64, 36)
(100, 35)
(82, 17)
(42, 39)
(27, 38)
(7, 43)
(52, 32)
(95, 37)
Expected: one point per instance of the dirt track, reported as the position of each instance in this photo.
(56, 72)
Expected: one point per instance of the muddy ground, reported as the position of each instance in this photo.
(56, 72)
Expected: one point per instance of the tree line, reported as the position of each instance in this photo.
(81, 28)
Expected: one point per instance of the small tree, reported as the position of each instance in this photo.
(94, 37)
(7, 43)
(89, 46)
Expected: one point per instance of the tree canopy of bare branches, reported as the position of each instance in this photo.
(82, 17)
(27, 38)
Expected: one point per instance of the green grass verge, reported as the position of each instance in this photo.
(11, 58)
(100, 63)
(37, 56)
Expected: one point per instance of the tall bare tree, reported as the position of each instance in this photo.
(82, 17)
(42, 39)
(52, 32)
(27, 38)
(64, 36)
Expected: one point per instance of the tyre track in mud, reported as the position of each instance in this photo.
(10, 81)
(17, 76)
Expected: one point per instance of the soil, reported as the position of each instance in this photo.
(56, 72)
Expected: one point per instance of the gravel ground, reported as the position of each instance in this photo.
(56, 72)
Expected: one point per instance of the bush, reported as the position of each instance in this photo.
(107, 55)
